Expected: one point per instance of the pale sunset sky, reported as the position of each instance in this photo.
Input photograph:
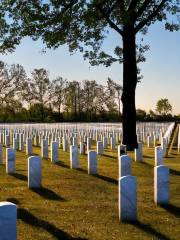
(161, 70)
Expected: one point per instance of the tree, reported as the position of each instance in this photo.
(141, 114)
(115, 90)
(58, 89)
(37, 89)
(84, 24)
(12, 79)
(163, 107)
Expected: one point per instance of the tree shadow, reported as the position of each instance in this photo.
(61, 164)
(172, 209)
(47, 194)
(148, 229)
(32, 220)
(174, 172)
(19, 176)
(107, 179)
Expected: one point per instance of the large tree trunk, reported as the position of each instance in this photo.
(129, 88)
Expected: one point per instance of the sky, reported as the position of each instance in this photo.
(161, 70)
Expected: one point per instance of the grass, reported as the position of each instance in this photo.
(75, 205)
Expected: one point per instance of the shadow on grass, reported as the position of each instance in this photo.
(145, 156)
(107, 179)
(106, 155)
(147, 164)
(19, 176)
(149, 230)
(172, 209)
(13, 200)
(174, 172)
(61, 164)
(47, 194)
(32, 220)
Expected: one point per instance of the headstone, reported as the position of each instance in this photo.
(112, 143)
(74, 160)
(15, 143)
(82, 148)
(92, 162)
(127, 199)
(44, 148)
(21, 142)
(65, 144)
(138, 153)
(1, 154)
(34, 172)
(149, 141)
(29, 148)
(161, 184)
(54, 152)
(99, 148)
(121, 150)
(88, 144)
(158, 156)
(124, 165)
(10, 160)
(105, 142)
(8, 218)
(7, 140)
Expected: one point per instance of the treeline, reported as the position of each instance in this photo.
(39, 99)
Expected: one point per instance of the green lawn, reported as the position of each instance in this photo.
(75, 205)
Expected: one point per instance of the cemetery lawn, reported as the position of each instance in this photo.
(74, 205)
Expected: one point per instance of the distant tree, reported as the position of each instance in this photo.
(58, 91)
(115, 90)
(12, 82)
(163, 107)
(37, 89)
(141, 114)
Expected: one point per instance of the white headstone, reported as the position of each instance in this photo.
(65, 144)
(74, 160)
(161, 184)
(124, 165)
(127, 199)
(121, 150)
(44, 148)
(92, 162)
(82, 148)
(158, 156)
(99, 147)
(29, 148)
(1, 154)
(10, 160)
(138, 153)
(8, 218)
(34, 172)
(54, 151)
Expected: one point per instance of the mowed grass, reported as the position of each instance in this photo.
(75, 205)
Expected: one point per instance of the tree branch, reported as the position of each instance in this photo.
(111, 23)
(150, 17)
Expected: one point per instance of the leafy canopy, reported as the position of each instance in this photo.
(84, 24)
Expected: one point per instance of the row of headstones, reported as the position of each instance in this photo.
(94, 134)
(127, 189)
(7, 136)
(128, 186)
